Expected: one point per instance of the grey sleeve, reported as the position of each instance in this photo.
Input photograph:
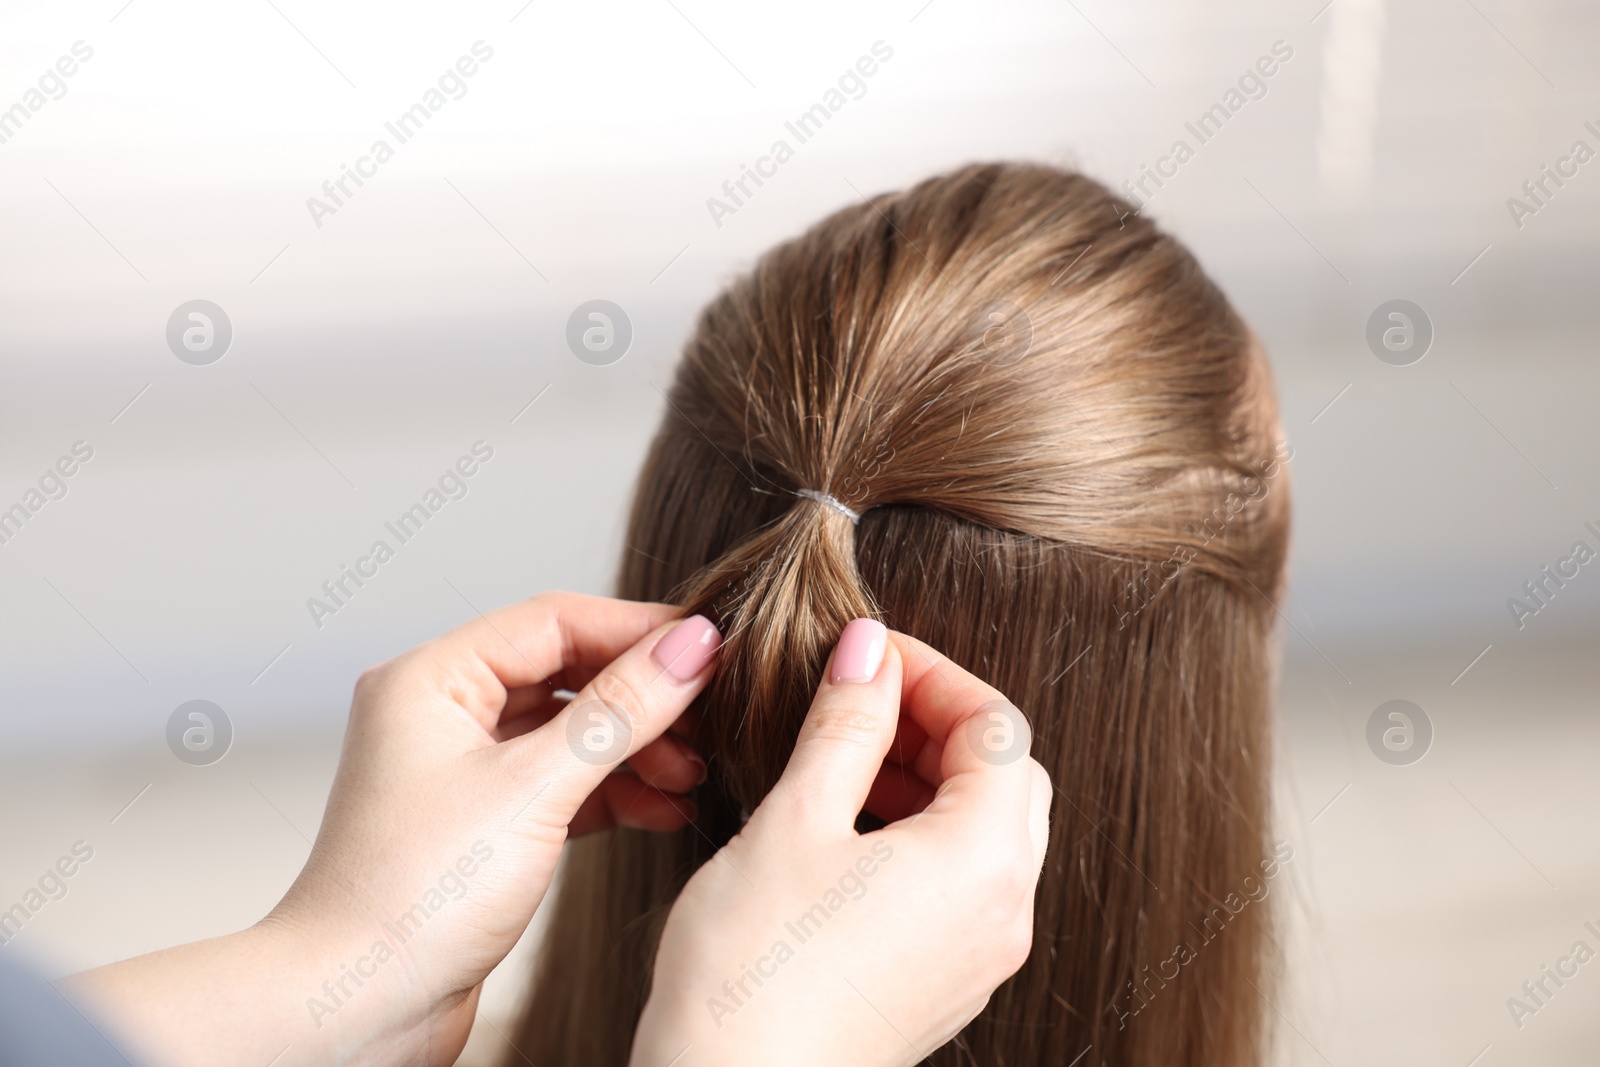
(39, 1027)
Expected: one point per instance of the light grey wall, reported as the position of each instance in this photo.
(371, 351)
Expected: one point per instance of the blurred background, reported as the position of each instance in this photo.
(1425, 151)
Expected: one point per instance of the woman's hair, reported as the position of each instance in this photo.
(1063, 445)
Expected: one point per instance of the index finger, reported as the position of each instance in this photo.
(526, 643)
(977, 740)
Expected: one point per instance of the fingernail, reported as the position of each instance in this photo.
(700, 768)
(860, 652)
(687, 648)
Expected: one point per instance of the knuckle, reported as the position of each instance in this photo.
(374, 680)
(1007, 910)
(1017, 883)
(841, 723)
(1042, 782)
(1007, 882)
(1016, 947)
(372, 695)
(1016, 878)
(623, 694)
(368, 680)
(550, 605)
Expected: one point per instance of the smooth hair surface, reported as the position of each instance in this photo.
(1063, 446)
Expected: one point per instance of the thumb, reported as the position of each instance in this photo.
(846, 733)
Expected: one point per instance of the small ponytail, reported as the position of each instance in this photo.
(781, 599)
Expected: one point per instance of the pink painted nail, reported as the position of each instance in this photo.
(860, 652)
(687, 648)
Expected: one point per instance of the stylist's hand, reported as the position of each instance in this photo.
(804, 942)
(461, 778)
(435, 782)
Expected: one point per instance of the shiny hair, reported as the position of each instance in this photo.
(1063, 446)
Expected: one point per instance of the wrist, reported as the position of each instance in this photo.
(350, 992)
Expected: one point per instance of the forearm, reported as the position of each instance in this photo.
(438, 842)
(266, 995)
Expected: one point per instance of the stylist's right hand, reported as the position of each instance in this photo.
(804, 942)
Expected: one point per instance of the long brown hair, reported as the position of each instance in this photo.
(1063, 446)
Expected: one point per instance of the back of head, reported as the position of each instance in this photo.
(1061, 444)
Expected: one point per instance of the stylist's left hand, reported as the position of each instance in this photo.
(462, 776)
